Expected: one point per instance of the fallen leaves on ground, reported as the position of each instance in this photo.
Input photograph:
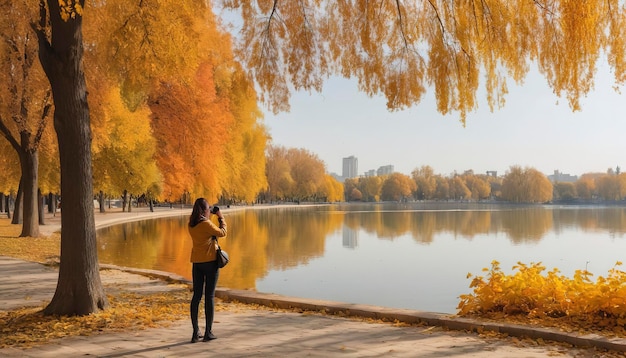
(27, 326)
(44, 250)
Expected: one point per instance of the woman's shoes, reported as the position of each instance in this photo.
(208, 336)
(195, 337)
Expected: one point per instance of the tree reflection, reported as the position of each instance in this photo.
(283, 238)
(527, 225)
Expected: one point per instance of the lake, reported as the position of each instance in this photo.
(414, 255)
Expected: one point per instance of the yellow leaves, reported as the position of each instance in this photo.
(399, 48)
(70, 9)
(530, 294)
(47, 248)
(526, 185)
(126, 149)
(28, 326)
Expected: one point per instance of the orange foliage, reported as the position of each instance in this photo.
(576, 302)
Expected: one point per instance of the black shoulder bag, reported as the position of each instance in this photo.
(221, 256)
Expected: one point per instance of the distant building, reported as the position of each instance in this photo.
(385, 170)
(562, 178)
(492, 173)
(370, 173)
(350, 167)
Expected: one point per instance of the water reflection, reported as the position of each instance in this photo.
(350, 238)
(327, 252)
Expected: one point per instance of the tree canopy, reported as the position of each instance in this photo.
(401, 48)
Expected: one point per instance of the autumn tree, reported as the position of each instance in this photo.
(424, 178)
(244, 176)
(147, 49)
(124, 161)
(586, 185)
(478, 186)
(541, 189)
(25, 102)
(307, 171)
(349, 185)
(371, 187)
(297, 174)
(514, 185)
(193, 121)
(397, 187)
(564, 191)
(495, 185)
(608, 187)
(175, 134)
(355, 195)
(9, 173)
(210, 139)
(443, 188)
(331, 190)
(59, 31)
(278, 173)
(526, 185)
(457, 188)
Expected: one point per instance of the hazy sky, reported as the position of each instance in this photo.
(534, 129)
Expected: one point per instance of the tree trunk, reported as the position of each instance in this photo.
(101, 201)
(8, 200)
(79, 288)
(17, 206)
(42, 205)
(124, 200)
(55, 203)
(29, 162)
(50, 204)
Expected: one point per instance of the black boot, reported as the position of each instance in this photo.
(208, 336)
(194, 323)
(195, 337)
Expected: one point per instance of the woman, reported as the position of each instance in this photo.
(203, 256)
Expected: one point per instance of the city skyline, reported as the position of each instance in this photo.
(555, 176)
(535, 128)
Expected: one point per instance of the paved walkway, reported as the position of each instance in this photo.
(266, 333)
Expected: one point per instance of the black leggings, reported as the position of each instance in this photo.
(204, 276)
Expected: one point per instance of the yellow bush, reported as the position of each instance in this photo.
(530, 293)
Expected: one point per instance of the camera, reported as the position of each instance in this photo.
(214, 210)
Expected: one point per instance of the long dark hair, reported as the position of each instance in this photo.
(197, 214)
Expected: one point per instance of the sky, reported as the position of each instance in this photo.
(534, 129)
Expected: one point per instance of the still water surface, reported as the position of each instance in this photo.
(414, 256)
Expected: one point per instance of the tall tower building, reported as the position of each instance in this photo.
(350, 167)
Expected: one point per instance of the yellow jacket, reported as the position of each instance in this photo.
(204, 248)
